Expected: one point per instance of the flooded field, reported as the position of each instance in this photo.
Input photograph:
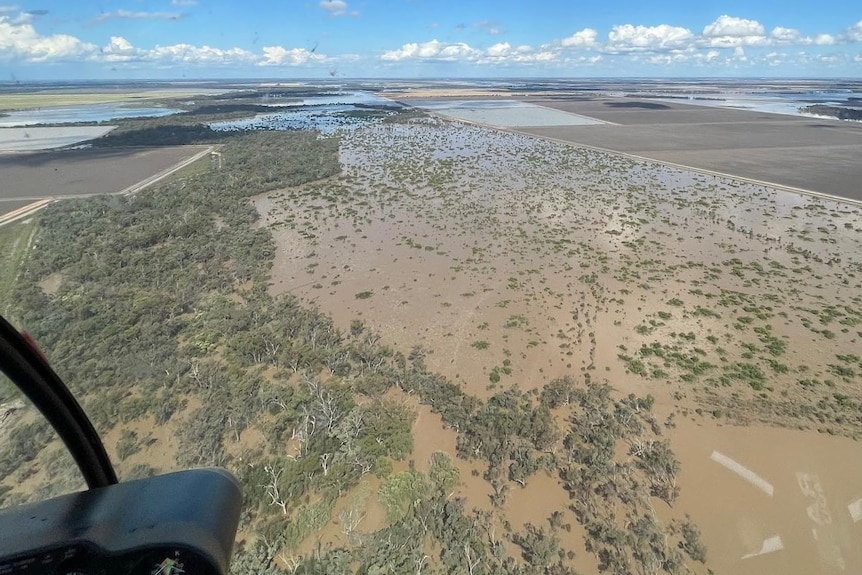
(509, 260)
(33, 139)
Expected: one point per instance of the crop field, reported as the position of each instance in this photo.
(504, 260)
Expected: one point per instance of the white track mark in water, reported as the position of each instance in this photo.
(770, 545)
(743, 472)
(855, 509)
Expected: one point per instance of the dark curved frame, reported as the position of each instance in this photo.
(30, 372)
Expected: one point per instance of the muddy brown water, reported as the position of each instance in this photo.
(555, 259)
(802, 516)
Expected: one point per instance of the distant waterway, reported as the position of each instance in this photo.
(327, 114)
(84, 113)
(350, 98)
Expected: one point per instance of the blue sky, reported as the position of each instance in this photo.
(64, 39)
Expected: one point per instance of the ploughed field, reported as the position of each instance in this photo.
(510, 260)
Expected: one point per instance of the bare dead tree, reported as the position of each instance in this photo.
(471, 563)
(350, 520)
(420, 563)
(324, 463)
(272, 488)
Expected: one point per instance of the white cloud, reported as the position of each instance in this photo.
(281, 56)
(119, 50)
(853, 33)
(586, 37)
(19, 40)
(334, 7)
(828, 59)
(667, 59)
(499, 50)
(723, 43)
(786, 35)
(433, 50)
(735, 27)
(775, 58)
(197, 55)
(129, 15)
(730, 31)
(501, 53)
(628, 38)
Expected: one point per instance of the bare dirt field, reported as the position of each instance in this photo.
(511, 260)
(33, 176)
(812, 154)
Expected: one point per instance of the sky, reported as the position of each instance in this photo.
(191, 39)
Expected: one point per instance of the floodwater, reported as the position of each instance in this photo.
(89, 113)
(36, 138)
(773, 500)
(350, 98)
(327, 114)
(503, 254)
